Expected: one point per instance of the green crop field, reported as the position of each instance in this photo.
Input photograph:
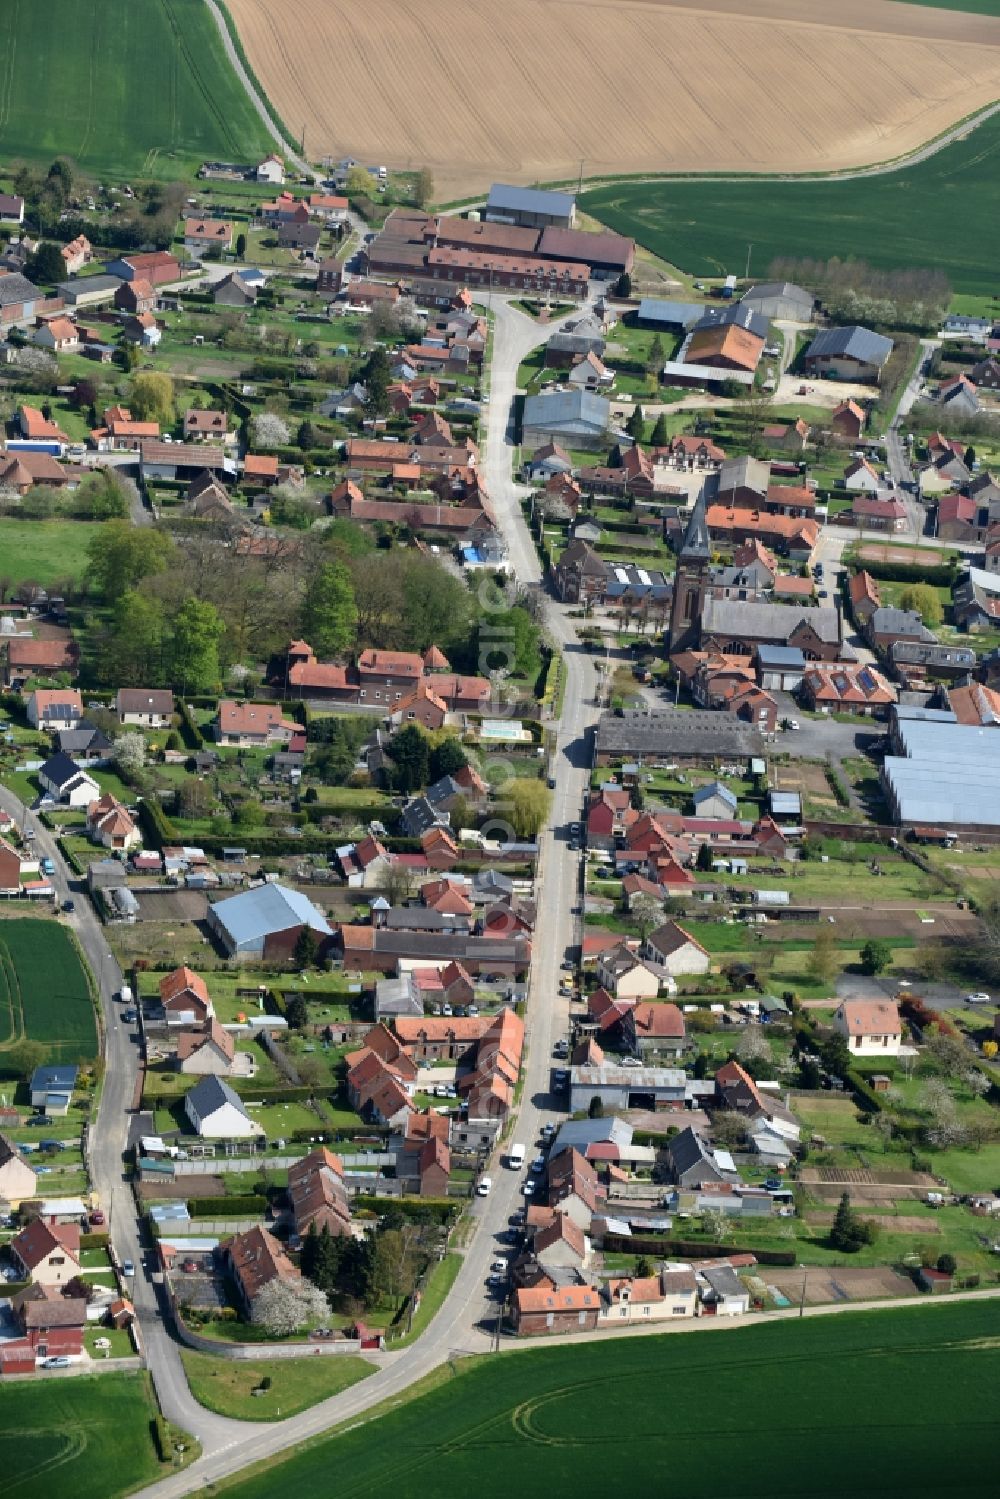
(89, 1437)
(123, 87)
(44, 994)
(887, 1403)
(942, 213)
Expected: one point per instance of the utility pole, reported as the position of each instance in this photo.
(749, 249)
(579, 185)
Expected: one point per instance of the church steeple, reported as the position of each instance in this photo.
(690, 581)
(697, 544)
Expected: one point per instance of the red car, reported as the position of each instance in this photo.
(190, 1266)
(97, 1217)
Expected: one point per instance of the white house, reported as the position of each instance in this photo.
(271, 169)
(861, 477)
(665, 1297)
(674, 950)
(871, 1027)
(216, 1112)
(62, 778)
(55, 708)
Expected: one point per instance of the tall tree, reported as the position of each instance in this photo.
(423, 187)
(409, 751)
(197, 632)
(823, 958)
(660, 436)
(46, 265)
(529, 806)
(636, 426)
(376, 377)
(119, 556)
(329, 613)
(151, 398)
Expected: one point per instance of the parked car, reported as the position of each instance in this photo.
(977, 999)
(129, 1016)
(528, 1188)
(128, 1268)
(538, 1165)
(57, 1362)
(68, 905)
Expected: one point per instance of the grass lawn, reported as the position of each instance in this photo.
(143, 90)
(43, 551)
(439, 1283)
(88, 1435)
(296, 1383)
(537, 1424)
(939, 212)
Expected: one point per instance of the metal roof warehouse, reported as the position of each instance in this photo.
(948, 774)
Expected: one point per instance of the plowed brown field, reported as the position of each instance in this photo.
(524, 90)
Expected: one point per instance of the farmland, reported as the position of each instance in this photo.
(89, 1437)
(44, 994)
(129, 89)
(940, 212)
(686, 83)
(540, 1422)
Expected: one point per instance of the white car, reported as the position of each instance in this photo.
(528, 1189)
(977, 999)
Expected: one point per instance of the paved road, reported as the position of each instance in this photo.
(465, 1324)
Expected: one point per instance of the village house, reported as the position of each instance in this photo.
(18, 1181)
(78, 253)
(185, 999)
(208, 426)
(674, 951)
(203, 235)
(110, 824)
(318, 1194)
(216, 1112)
(47, 1253)
(59, 335)
(871, 1027)
(145, 707)
(210, 1051)
(254, 1259)
(134, 297)
(654, 1030)
(248, 725)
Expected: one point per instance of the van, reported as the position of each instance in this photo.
(515, 1157)
(484, 1186)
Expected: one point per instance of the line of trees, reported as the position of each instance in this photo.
(854, 291)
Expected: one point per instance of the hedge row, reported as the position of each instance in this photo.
(271, 1092)
(227, 1207)
(941, 576)
(161, 1438)
(691, 1249)
(419, 1209)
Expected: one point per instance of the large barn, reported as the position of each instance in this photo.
(266, 922)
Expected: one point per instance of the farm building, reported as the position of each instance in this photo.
(266, 922)
(780, 299)
(848, 353)
(575, 418)
(530, 207)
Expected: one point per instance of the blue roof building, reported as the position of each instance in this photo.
(530, 206)
(266, 922)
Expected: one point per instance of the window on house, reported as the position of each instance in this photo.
(678, 1311)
